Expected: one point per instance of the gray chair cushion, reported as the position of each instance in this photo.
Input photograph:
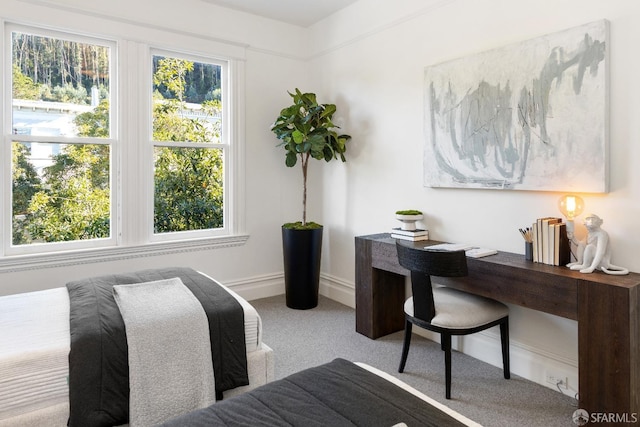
(460, 310)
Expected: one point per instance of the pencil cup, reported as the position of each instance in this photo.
(528, 251)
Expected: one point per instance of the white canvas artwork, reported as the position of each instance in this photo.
(529, 116)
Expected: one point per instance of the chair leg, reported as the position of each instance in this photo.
(504, 338)
(445, 340)
(405, 346)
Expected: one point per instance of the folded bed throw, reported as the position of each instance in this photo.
(170, 369)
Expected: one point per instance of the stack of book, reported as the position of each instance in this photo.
(550, 241)
(412, 235)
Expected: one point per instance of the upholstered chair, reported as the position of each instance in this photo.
(445, 310)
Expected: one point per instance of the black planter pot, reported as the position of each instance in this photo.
(302, 250)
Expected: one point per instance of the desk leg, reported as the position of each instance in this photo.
(379, 296)
(609, 348)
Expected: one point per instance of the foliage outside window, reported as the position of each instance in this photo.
(60, 165)
(188, 149)
(64, 140)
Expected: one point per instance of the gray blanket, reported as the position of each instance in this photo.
(336, 394)
(170, 368)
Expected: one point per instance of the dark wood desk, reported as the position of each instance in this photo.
(606, 307)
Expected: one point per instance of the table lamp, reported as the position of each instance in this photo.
(571, 206)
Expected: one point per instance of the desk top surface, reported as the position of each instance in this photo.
(509, 259)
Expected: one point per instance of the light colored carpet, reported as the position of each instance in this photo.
(305, 338)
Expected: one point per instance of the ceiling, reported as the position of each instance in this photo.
(303, 13)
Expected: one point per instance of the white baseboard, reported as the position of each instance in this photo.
(271, 285)
(525, 361)
(528, 362)
(533, 364)
(268, 285)
(338, 290)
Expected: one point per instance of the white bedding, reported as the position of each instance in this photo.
(35, 343)
(34, 351)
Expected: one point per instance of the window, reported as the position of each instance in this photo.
(84, 168)
(189, 144)
(60, 141)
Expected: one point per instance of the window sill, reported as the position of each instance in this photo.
(64, 259)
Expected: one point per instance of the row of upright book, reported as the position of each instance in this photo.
(550, 241)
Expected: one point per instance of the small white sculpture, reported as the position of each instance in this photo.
(594, 252)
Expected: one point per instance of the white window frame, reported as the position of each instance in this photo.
(132, 220)
(7, 139)
(225, 144)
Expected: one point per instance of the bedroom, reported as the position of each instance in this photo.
(368, 59)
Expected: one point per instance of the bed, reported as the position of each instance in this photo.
(34, 356)
(339, 393)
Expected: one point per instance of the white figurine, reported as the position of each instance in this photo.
(594, 252)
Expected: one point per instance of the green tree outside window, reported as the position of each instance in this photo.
(71, 199)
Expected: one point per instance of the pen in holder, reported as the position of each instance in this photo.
(528, 243)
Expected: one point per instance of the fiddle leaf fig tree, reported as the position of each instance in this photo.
(306, 131)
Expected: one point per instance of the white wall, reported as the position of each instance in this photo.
(271, 67)
(370, 60)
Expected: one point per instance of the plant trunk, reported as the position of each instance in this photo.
(305, 163)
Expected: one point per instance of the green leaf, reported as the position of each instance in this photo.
(298, 137)
(329, 154)
(290, 111)
(329, 109)
(309, 99)
(291, 159)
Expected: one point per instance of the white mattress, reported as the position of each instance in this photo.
(34, 348)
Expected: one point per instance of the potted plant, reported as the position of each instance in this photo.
(306, 132)
(408, 218)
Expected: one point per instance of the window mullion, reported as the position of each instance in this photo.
(135, 155)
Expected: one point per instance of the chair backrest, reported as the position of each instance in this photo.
(423, 264)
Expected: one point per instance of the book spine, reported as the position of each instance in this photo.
(549, 247)
(535, 237)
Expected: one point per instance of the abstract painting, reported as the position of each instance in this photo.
(528, 116)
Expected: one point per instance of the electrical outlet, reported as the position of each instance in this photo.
(557, 380)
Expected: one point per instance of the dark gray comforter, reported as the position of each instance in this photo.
(336, 394)
(98, 360)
